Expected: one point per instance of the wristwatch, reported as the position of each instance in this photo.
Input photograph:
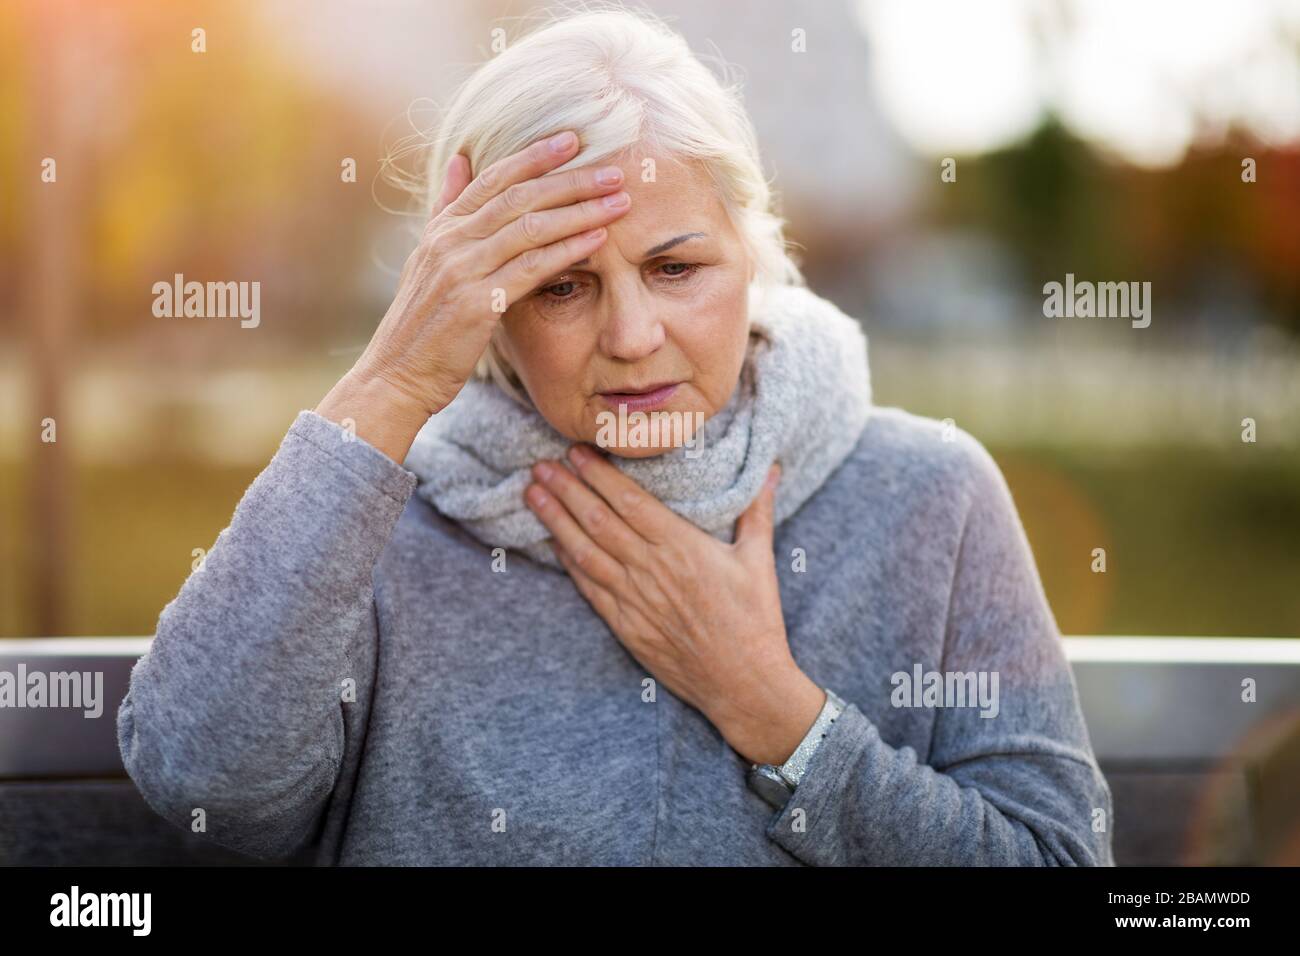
(776, 784)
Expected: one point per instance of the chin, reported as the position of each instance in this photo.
(636, 452)
(648, 433)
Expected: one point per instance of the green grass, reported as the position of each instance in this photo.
(132, 531)
(1197, 542)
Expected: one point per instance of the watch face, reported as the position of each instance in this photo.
(767, 783)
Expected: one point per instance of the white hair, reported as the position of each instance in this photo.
(619, 79)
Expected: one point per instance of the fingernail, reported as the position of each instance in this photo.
(562, 141)
(773, 476)
(577, 454)
(609, 176)
(542, 470)
(535, 496)
(617, 201)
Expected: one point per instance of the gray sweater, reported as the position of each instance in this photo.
(348, 670)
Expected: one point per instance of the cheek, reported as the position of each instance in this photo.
(550, 360)
(715, 334)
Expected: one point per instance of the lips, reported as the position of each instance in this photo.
(639, 399)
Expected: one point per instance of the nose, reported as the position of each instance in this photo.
(632, 329)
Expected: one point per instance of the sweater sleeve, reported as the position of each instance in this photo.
(237, 721)
(1020, 787)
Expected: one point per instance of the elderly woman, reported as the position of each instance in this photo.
(484, 606)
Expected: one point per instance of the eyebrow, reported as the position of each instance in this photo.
(656, 250)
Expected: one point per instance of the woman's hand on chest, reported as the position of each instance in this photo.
(703, 616)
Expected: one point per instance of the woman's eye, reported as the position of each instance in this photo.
(566, 290)
(570, 290)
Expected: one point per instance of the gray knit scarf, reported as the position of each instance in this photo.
(802, 400)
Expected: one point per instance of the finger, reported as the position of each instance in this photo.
(598, 597)
(625, 622)
(755, 526)
(585, 553)
(526, 271)
(552, 191)
(595, 517)
(539, 228)
(453, 184)
(643, 512)
(529, 162)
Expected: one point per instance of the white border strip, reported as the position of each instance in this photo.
(1184, 650)
(1153, 650)
(74, 646)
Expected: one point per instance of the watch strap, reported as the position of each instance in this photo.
(797, 764)
(776, 784)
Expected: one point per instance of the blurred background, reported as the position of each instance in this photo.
(938, 163)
